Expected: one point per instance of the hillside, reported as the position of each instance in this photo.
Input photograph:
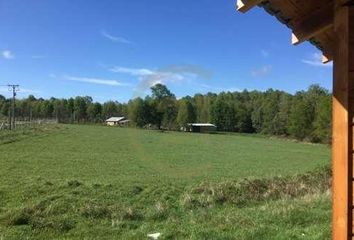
(100, 182)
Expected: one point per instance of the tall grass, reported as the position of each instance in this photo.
(252, 191)
(76, 206)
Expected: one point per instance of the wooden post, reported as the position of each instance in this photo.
(343, 111)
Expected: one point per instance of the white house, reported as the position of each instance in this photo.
(115, 121)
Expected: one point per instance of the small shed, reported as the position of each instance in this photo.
(114, 121)
(124, 122)
(201, 127)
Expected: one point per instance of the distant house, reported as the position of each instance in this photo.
(117, 121)
(201, 127)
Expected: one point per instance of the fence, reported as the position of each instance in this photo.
(5, 125)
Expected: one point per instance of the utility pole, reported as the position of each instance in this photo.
(14, 88)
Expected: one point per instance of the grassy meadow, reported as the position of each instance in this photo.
(95, 182)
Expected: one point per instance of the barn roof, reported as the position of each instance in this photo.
(115, 119)
(201, 125)
(309, 20)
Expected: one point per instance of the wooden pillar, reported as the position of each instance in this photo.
(343, 112)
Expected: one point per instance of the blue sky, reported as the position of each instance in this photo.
(116, 49)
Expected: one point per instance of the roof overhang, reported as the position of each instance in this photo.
(201, 125)
(309, 20)
(115, 119)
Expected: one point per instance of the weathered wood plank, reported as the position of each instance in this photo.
(313, 24)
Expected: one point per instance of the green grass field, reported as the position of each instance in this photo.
(92, 182)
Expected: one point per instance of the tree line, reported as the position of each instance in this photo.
(305, 115)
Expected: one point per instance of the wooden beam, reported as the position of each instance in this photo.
(327, 55)
(245, 5)
(326, 59)
(328, 51)
(343, 112)
(316, 22)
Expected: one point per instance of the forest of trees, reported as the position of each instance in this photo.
(305, 115)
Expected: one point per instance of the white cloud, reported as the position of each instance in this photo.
(28, 91)
(171, 74)
(316, 61)
(149, 77)
(261, 72)
(219, 89)
(7, 91)
(4, 89)
(108, 82)
(7, 54)
(203, 85)
(132, 71)
(168, 74)
(265, 53)
(115, 38)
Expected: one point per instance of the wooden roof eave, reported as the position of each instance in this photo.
(313, 23)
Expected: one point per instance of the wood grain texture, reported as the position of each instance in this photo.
(342, 147)
(308, 20)
(313, 24)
